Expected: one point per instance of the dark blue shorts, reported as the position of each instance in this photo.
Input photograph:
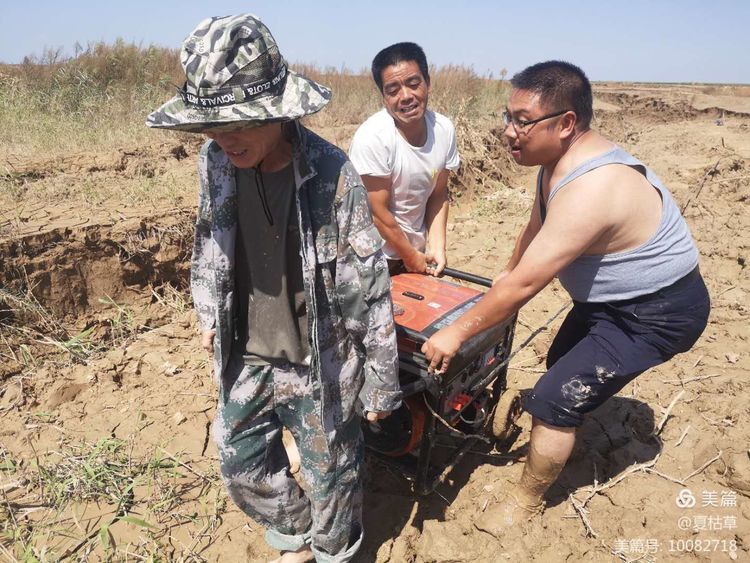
(601, 347)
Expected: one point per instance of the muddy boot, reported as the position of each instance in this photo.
(525, 500)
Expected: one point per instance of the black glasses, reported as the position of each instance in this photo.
(520, 124)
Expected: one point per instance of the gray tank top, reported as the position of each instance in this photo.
(666, 257)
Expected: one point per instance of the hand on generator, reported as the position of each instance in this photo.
(440, 349)
(207, 340)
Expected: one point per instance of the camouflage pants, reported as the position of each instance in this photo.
(254, 403)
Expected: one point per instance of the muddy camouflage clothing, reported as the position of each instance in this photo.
(347, 287)
(352, 344)
(254, 403)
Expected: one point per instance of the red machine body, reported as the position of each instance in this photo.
(462, 397)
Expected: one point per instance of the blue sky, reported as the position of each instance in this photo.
(638, 40)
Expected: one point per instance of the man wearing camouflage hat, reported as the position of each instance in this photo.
(290, 286)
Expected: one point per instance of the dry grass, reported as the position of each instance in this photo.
(67, 503)
(102, 95)
(57, 113)
(98, 97)
(31, 336)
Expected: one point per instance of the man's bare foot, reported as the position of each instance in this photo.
(302, 555)
(291, 451)
(507, 514)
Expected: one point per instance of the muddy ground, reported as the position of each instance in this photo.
(106, 400)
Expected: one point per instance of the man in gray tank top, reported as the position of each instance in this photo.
(604, 224)
(290, 287)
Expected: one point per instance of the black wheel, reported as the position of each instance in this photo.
(508, 411)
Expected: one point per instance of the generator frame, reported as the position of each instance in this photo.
(471, 373)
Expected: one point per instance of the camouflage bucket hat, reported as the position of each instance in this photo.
(235, 77)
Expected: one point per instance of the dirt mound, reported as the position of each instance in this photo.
(663, 110)
(486, 165)
(73, 289)
(128, 162)
(90, 189)
(69, 270)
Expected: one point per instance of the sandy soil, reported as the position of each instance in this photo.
(142, 407)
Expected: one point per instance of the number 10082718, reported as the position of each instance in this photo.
(702, 546)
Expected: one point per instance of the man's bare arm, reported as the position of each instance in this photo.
(436, 220)
(379, 193)
(577, 219)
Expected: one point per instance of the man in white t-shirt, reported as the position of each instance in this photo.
(404, 154)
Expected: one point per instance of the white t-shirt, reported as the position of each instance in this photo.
(379, 150)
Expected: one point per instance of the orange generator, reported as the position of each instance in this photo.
(465, 397)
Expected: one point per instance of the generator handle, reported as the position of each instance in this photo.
(425, 383)
(466, 276)
(417, 337)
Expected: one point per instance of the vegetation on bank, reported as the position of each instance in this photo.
(100, 96)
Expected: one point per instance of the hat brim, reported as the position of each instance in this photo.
(301, 97)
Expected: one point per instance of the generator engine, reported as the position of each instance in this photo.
(463, 397)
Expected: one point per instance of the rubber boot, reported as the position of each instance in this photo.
(526, 499)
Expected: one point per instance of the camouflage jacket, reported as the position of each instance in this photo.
(347, 286)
